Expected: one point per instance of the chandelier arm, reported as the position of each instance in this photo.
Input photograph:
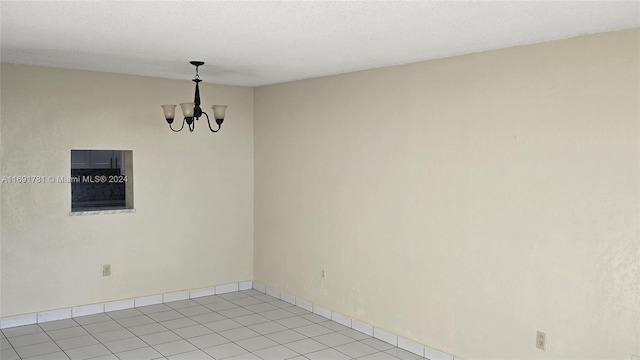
(178, 129)
(209, 123)
(196, 111)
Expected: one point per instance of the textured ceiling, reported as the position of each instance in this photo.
(257, 43)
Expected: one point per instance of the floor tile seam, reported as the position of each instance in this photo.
(90, 333)
(116, 320)
(80, 326)
(10, 343)
(184, 307)
(138, 337)
(301, 354)
(186, 338)
(67, 327)
(51, 340)
(197, 348)
(252, 351)
(32, 333)
(330, 347)
(110, 352)
(305, 338)
(183, 314)
(229, 318)
(350, 342)
(94, 338)
(103, 343)
(143, 347)
(99, 343)
(251, 337)
(285, 345)
(263, 288)
(10, 346)
(55, 343)
(210, 346)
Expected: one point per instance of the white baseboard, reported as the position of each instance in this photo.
(365, 328)
(368, 329)
(67, 313)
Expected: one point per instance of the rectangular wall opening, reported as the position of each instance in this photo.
(101, 180)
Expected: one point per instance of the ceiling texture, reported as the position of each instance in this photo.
(258, 43)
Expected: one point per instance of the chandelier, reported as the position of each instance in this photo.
(192, 110)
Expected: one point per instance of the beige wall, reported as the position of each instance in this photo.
(466, 202)
(193, 225)
(463, 203)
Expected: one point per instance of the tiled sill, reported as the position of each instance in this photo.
(101, 212)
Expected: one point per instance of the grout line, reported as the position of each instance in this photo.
(76, 311)
(280, 306)
(360, 326)
(289, 299)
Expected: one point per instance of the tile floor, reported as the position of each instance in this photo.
(239, 325)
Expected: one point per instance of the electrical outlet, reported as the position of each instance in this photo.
(323, 273)
(106, 270)
(541, 340)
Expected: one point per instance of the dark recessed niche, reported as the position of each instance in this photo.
(101, 180)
